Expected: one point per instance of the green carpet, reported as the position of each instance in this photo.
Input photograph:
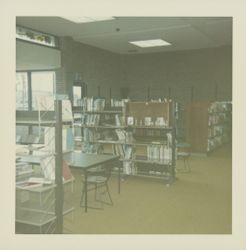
(199, 202)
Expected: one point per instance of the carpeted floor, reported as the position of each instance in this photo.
(199, 202)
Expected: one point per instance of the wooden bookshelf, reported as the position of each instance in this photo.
(207, 125)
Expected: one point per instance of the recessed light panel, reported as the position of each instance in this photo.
(150, 43)
(86, 19)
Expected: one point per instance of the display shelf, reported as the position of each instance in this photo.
(35, 218)
(35, 200)
(34, 205)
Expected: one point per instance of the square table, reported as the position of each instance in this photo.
(84, 162)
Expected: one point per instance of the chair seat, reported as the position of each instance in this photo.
(96, 179)
(183, 154)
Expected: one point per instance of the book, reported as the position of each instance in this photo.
(28, 185)
(39, 180)
(67, 174)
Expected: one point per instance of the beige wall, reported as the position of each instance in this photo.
(98, 67)
(203, 69)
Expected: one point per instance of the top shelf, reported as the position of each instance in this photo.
(149, 127)
(99, 112)
(44, 118)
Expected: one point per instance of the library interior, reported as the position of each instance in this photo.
(123, 125)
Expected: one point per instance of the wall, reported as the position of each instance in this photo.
(203, 69)
(206, 71)
(34, 57)
(171, 73)
(97, 67)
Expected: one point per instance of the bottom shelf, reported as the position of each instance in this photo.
(23, 228)
(35, 218)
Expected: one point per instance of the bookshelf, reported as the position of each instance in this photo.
(141, 133)
(98, 124)
(208, 125)
(150, 129)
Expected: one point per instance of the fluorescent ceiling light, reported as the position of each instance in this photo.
(87, 19)
(150, 43)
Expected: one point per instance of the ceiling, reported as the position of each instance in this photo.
(184, 33)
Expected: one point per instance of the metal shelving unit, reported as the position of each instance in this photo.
(158, 137)
(44, 206)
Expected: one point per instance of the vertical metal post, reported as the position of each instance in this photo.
(169, 93)
(110, 95)
(173, 140)
(98, 91)
(59, 195)
(119, 169)
(85, 188)
(29, 92)
(216, 92)
(148, 94)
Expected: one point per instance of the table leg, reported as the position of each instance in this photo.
(85, 190)
(119, 177)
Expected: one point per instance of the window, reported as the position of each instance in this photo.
(42, 84)
(77, 95)
(21, 91)
(31, 84)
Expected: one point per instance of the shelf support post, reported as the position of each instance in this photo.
(58, 168)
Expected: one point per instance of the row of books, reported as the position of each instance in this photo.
(90, 119)
(118, 103)
(89, 135)
(147, 121)
(216, 118)
(119, 120)
(91, 148)
(96, 119)
(159, 153)
(217, 131)
(94, 104)
(124, 136)
(165, 100)
(217, 141)
(124, 151)
(220, 107)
